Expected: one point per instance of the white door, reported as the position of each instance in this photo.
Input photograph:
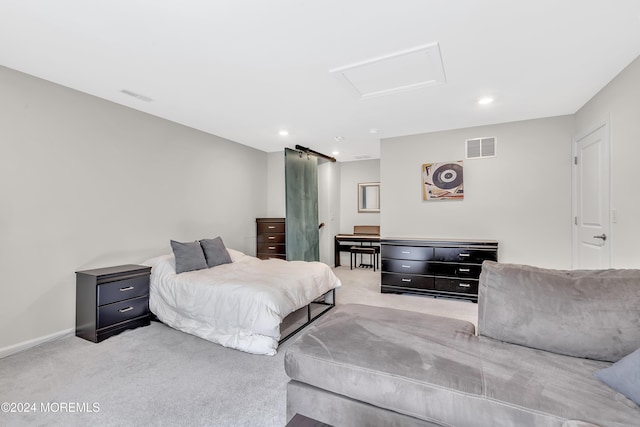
(592, 237)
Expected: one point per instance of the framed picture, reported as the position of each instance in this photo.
(442, 181)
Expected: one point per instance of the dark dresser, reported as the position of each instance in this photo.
(110, 300)
(271, 238)
(447, 268)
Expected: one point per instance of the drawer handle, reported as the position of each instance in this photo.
(406, 280)
(464, 270)
(124, 310)
(128, 288)
(272, 247)
(271, 227)
(464, 285)
(406, 252)
(406, 266)
(272, 237)
(464, 255)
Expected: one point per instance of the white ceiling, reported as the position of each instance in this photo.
(245, 69)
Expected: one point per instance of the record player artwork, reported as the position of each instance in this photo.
(441, 181)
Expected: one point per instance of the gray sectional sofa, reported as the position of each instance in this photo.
(542, 335)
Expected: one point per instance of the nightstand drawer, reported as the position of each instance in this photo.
(122, 311)
(123, 289)
(457, 285)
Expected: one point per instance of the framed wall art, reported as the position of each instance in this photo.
(443, 181)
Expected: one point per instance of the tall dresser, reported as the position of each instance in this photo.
(447, 268)
(271, 238)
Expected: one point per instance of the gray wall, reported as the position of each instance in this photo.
(87, 183)
(521, 198)
(276, 194)
(619, 102)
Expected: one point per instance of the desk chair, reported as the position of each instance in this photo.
(372, 251)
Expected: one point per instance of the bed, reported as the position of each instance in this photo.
(246, 304)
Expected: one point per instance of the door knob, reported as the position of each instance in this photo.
(602, 236)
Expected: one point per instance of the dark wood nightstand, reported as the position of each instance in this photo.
(110, 300)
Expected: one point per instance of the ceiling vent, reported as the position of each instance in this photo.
(481, 147)
(405, 70)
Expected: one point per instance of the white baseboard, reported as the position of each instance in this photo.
(25, 345)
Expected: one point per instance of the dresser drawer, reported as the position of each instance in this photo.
(123, 289)
(456, 285)
(271, 238)
(407, 281)
(475, 256)
(463, 271)
(407, 252)
(405, 266)
(275, 256)
(271, 227)
(276, 248)
(122, 311)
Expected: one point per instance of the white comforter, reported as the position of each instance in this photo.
(238, 305)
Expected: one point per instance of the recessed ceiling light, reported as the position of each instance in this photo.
(486, 100)
(283, 133)
(335, 153)
(374, 130)
(339, 138)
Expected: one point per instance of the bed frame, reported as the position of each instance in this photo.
(299, 319)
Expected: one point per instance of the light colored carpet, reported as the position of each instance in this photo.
(362, 286)
(158, 376)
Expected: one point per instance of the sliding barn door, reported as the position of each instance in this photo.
(301, 176)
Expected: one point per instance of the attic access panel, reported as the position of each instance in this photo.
(409, 69)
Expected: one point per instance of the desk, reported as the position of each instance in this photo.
(344, 241)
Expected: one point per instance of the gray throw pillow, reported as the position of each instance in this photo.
(624, 376)
(215, 252)
(189, 256)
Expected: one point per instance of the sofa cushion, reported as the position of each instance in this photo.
(583, 313)
(435, 369)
